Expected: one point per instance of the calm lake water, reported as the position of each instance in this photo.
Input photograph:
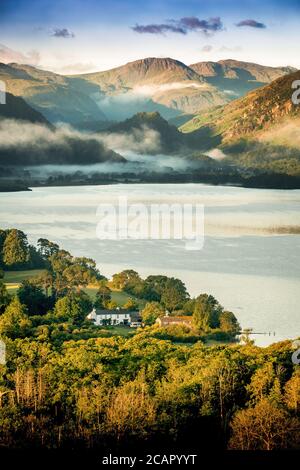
(250, 258)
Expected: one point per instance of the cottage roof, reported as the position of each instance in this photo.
(120, 311)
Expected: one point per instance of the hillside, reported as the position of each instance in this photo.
(50, 94)
(149, 129)
(17, 108)
(235, 78)
(258, 111)
(162, 81)
(260, 130)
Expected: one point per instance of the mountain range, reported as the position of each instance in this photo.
(152, 84)
(257, 132)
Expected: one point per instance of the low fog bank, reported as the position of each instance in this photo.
(136, 164)
(26, 144)
(43, 152)
(127, 102)
(139, 140)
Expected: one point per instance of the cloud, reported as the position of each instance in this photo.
(140, 140)
(230, 93)
(78, 67)
(216, 154)
(62, 33)
(183, 26)
(45, 152)
(207, 48)
(251, 24)
(192, 23)
(151, 90)
(25, 143)
(8, 55)
(158, 29)
(230, 49)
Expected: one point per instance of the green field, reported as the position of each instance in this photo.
(16, 277)
(116, 296)
(13, 279)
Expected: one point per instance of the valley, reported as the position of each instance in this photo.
(142, 133)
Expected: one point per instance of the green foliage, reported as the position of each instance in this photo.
(4, 297)
(68, 382)
(15, 249)
(151, 312)
(131, 304)
(206, 313)
(177, 334)
(33, 297)
(125, 280)
(16, 253)
(103, 296)
(228, 322)
(74, 307)
(15, 323)
(266, 426)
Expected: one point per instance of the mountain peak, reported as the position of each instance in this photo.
(158, 62)
(162, 70)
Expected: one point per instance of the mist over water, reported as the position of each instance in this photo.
(250, 260)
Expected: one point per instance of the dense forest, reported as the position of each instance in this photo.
(67, 382)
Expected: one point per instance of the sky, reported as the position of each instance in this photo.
(80, 36)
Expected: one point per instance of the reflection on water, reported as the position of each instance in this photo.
(250, 260)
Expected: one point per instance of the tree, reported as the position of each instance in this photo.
(151, 312)
(229, 323)
(103, 296)
(32, 296)
(60, 260)
(74, 306)
(111, 305)
(47, 248)
(14, 323)
(207, 312)
(264, 427)
(131, 304)
(45, 280)
(157, 287)
(132, 410)
(262, 382)
(121, 280)
(5, 298)
(76, 275)
(91, 268)
(189, 307)
(2, 240)
(292, 392)
(172, 298)
(15, 249)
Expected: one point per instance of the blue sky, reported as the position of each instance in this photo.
(74, 36)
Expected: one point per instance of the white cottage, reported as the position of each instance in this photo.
(110, 317)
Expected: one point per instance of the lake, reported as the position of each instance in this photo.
(249, 261)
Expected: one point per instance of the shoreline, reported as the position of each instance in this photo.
(279, 182)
